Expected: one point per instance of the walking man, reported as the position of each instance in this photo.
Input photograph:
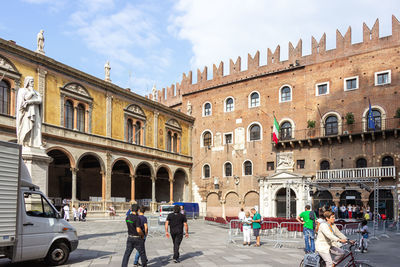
(176, 222)
(145, 230)
(135, 237)
(256, 225)
(308, 228)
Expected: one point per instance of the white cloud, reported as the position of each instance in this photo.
(219, 30)
(53, 6)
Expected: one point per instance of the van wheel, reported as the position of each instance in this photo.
(58, 254)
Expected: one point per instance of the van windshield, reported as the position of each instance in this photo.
(167, 208)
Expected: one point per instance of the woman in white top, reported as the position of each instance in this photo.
(329, 239)
(247, 229)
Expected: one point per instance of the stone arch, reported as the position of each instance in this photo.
(328, 114)
(131, 167)
(280, 93)
(214, 207)
(121, 181)
(143, 183)
(280, 201)
(251, 199)
(390, 154)
(66, 152)
(232, 204)
(365, 119)
(359, 156)
(147, 164)
(59, 176)
(167, 168)
(163, 177)
(90, 177)
(180, 185)
(99, 158)
(324, 159)
(286, 119)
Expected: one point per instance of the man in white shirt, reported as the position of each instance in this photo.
(343, 211)
(66, 212)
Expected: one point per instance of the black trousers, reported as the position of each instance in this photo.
(134, 243)
(176, 239)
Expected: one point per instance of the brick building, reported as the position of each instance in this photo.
(321, 102)
(108, 145)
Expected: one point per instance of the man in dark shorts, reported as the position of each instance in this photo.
(135, 237)
(256, 225)
(176, 221)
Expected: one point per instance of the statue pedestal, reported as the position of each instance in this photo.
(37, 162)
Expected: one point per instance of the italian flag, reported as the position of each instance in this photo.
(275, 133)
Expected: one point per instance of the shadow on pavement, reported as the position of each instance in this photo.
(83, 237)
(165, 260)
(77, 256)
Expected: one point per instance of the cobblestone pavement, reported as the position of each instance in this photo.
(102, 243)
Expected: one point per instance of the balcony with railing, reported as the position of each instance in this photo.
(357, 173)
(338, 131)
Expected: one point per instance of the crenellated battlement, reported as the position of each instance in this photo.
(172, 96)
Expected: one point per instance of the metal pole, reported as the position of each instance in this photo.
(287, 201)
(376, 203)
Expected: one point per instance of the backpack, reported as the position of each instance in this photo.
(312, 218)
(311, 260)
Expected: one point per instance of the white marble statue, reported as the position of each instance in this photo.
(29, 122)
(154, 93)
(189, 108)
(107, 69)
(40, 42)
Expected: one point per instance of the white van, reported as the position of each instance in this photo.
(164, 211)
(30, 226)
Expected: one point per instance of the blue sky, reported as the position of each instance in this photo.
(153, 42)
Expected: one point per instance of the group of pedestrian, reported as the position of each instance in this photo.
(250, 221)
(327, 235)
(138, 230)
(353, 211)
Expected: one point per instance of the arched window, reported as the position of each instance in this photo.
(228, 169)
(69, 115)
(376, 115)
(80, 118)
(207, 139)
(254, 100)
(229, 106)
(207, 109)
(175, 143)
(331, 125)
(255, 132)
(248, 168)
(387, 161)
(129, 134)
(324, 165)
(4, 98)
(361, 163)
(286, 131)
(286, 94)
(206, 171)
(169, 141)
(138, 133)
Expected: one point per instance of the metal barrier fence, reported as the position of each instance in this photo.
(285, 233)
(155, 228)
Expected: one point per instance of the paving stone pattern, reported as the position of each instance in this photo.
(102, 243)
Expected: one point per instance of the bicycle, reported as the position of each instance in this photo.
(348, 259)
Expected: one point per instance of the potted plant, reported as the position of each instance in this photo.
(397, 115)
(311, 126)
(349, 121)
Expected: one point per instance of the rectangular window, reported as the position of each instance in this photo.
(270, 166)
(322, 89)
(37, 206)
(383, 77)
(301, 163)
(228, 139)
(351, 83)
